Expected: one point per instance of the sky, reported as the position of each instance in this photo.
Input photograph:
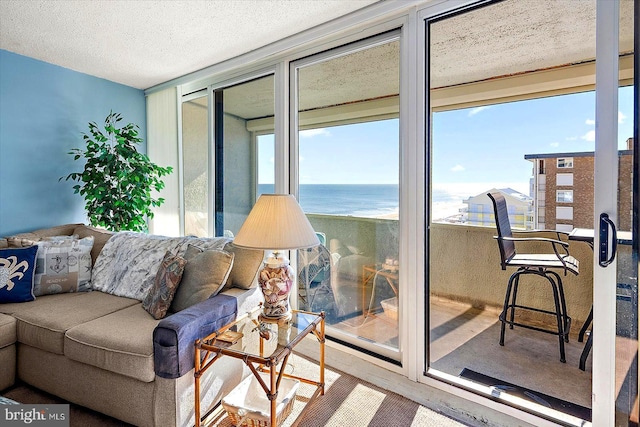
(474, 149)
(484, 147)
(364, 153)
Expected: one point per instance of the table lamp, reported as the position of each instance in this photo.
(276, 223)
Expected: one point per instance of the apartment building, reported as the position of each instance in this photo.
(562, 189)
(479, 209)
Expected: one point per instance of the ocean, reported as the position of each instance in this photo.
(367, 200)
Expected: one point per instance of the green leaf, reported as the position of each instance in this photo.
(116, 180)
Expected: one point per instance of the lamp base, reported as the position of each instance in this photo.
(276, 281)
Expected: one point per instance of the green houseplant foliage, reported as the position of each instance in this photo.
(117, 180)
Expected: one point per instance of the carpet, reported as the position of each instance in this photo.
(79, 416)
(530, 395)
(348, 401)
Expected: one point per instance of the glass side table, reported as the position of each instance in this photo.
(239, 338)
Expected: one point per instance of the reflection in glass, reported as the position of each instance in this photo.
(349, 187)
(195, 154)
(627, 409)
(247, 111)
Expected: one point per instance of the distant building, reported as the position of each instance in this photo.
(479, 210)
(562, 189)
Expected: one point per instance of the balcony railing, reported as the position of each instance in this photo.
(464, 263)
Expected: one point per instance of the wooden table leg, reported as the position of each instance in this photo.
(197, 386)
(274, 394)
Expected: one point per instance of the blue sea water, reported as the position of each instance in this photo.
(366, 200)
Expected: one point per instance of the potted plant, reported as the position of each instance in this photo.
(117, 180)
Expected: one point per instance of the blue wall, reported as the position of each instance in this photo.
(44, 109)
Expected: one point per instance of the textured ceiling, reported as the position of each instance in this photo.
(498, 40)
(506, 38)
(144, 43)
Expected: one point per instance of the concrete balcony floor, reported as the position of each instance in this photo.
(463, 337)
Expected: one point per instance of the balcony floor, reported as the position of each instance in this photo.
(463, 337)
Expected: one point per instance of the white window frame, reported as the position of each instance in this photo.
(564, 179)
(560, 196)
(564, 212)
(564, 227)
(564, 163)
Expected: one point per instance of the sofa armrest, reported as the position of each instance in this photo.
(175, 335)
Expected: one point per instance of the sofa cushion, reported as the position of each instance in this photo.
(42, 323)
(120, 342)
(17, 267)
(205, 274)
(128, 263)
(63, 265)
(7, 330)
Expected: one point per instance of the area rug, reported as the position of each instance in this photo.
(348, 401)
(530, 395)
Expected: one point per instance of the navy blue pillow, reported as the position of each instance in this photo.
(17, 267)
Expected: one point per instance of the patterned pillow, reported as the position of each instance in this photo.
(17, 267)
(127, 264)
(63, 265)
(164, 287)
(204, 276)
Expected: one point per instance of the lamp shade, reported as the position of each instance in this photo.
(276, 222)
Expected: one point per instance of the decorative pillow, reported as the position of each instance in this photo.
(204, 276)
(247, 263)
(100, 237)
(17, 267)
(159, 297)
(63, 265)
(128, 261)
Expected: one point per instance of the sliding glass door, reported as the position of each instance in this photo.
(625, 384)
(520, 105)
(227, 150)
(242, 111)
(195, 154)
(347, 163)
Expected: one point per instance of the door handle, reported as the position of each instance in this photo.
(605, 225)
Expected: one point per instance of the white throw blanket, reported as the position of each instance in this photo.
(128, 263)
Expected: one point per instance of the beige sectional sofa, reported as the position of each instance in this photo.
(107, 353)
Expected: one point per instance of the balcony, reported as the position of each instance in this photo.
(466, 288)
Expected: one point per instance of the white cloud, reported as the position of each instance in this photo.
(621, 117)
(589, 136)
(555, 144)
(571, 138)
(457, 168)
(314, 132)
(477, 110)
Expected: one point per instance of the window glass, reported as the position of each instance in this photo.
(565, 162)
(195, 153)
(242, 110)
(493, 126)
(349, 187)
(564, 196)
